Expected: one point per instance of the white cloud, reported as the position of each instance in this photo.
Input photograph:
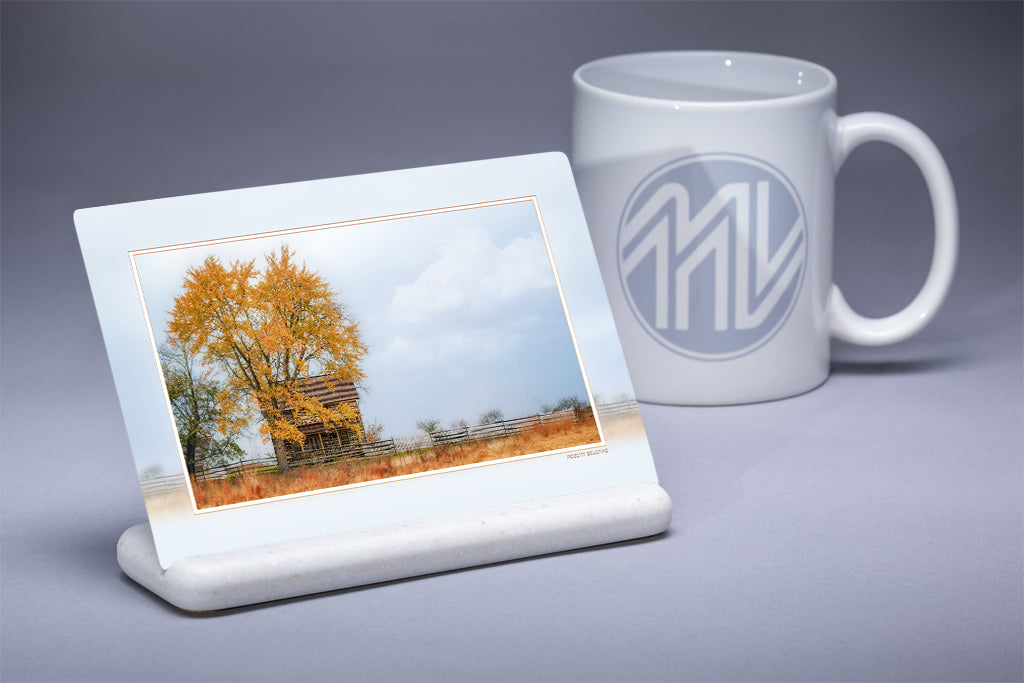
(462, 347)
(523, 267)
(473, 276)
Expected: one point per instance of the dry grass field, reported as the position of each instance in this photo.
(252, 484)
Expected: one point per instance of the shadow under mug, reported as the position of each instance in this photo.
(707, 180)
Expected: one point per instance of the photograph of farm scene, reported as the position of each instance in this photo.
(308, 360)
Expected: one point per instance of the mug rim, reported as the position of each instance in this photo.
(829, 87)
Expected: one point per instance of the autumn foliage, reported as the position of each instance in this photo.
(265, 328)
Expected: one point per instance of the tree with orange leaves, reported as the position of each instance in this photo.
(265, 329)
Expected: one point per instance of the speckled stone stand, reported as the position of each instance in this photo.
(325, 563)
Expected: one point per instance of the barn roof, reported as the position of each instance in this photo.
(327, 389)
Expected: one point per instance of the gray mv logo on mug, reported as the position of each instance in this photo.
(712, 251)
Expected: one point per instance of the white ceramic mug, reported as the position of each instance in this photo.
(707, 180)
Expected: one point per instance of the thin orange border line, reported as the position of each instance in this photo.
(328, 226)
(163, 383)
(568, 318)
(343, 224)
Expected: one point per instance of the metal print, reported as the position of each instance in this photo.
(336, 355)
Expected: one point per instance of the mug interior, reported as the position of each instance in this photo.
(710, 77)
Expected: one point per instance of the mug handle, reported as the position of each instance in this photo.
(847, 325)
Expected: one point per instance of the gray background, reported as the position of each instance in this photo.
(869, 530)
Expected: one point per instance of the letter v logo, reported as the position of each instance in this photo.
(712, 251)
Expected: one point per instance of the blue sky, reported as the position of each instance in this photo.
(459, 309)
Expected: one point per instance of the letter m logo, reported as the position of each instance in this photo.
(712, 254)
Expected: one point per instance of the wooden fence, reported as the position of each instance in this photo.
(163, 484)
(318, 456)
(617, 408)
(373, 449)
(503, 428)
(221, 471)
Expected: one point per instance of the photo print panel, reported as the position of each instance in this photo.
(314, 359)
(335, 355)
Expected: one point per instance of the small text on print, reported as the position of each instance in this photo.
(583, 454)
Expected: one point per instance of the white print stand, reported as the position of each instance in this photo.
(326, 563)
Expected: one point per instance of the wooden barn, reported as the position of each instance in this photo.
(324, 442)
